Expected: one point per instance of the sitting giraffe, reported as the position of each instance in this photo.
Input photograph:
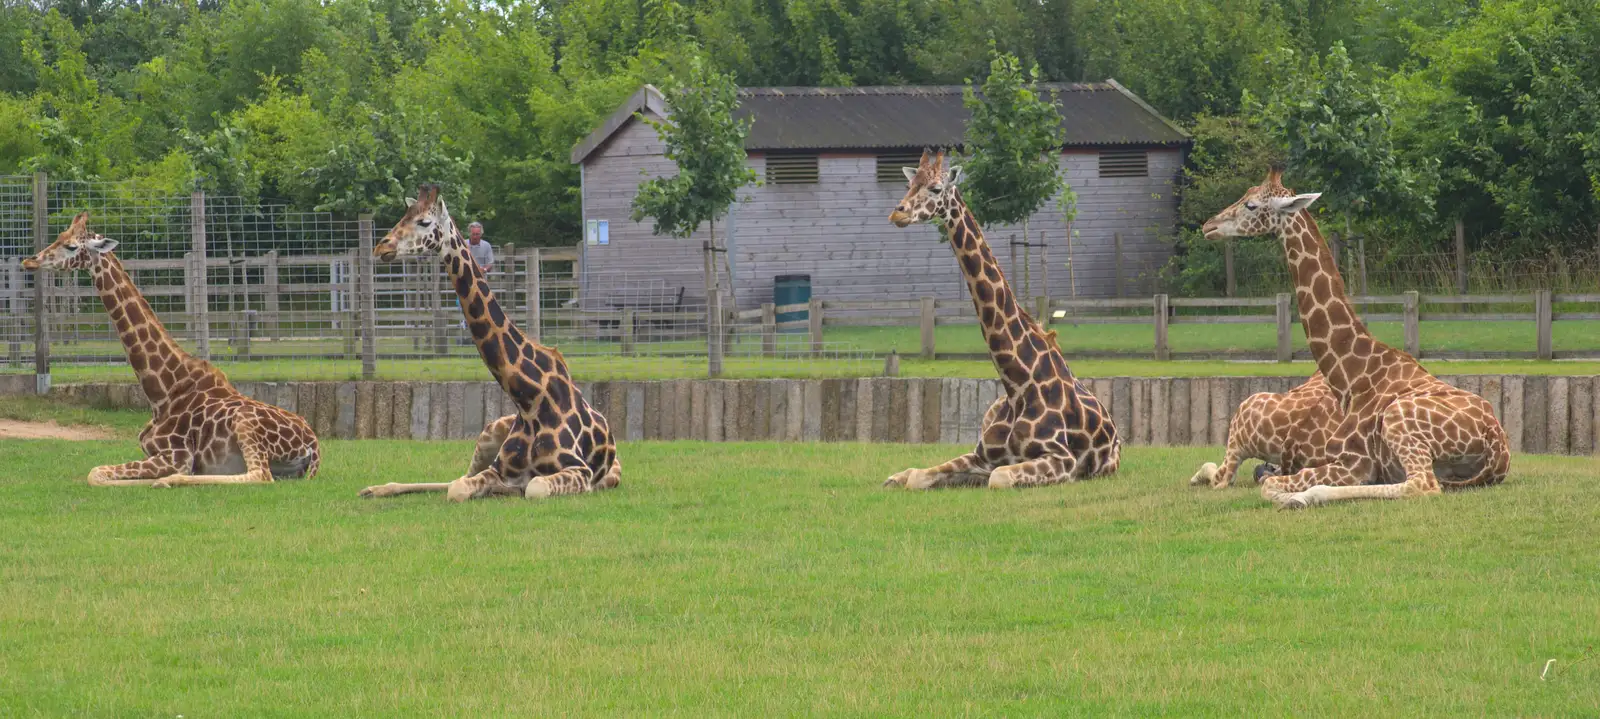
(1048, 428)
(1403, 432)
(1287, 430)
(555, 443)
(203, 431)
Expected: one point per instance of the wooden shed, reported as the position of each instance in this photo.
(831, 160)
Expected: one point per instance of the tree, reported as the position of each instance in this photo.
(707, 143)
(1334, 125)
(1012, 141)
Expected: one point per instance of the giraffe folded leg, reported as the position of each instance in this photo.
(252, 446)
(613, 475)
(142, 473)
(1052, 469)
(1353, 472)
(395, 489)
(968, 470)
(489, 442)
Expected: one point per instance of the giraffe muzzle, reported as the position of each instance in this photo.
(30, 264)
(386, 250)
(900, 219)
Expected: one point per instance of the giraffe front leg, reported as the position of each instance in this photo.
(966, 470)
(1051, 469)
(572, 480)
(142, 473)
(1309, 486)
(253, 446)
(1218, 477)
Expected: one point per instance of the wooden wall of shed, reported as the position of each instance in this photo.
(838, 231)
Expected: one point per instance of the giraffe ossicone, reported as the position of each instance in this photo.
(1402, 432)
(556, 443)
(1048, 428)
(202, 430)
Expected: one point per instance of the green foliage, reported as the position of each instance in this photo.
(707, 143)
(1013, 142)
(1336, 130)
(1230, 155)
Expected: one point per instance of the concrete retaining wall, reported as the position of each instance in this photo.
(1542, 414)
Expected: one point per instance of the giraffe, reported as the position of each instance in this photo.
(1048, 428)
(1287, 430)
(1403, 432)
(203, 430)
(556, 443)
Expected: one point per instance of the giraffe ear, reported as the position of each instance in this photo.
(1294, 204)
(954, 177)
(102, 245)
(911, 173)
(411, 201)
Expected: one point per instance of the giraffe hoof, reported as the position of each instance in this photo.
(1002, 478)
(1206, 474)
(538, 488)
(377, 490)
(160, 484)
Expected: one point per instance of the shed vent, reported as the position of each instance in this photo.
(791, 169)
(889, 166)
(1124, 163)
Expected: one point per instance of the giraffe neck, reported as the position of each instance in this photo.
(1332, 326)
(1016, 341)
(499, 342)
(159, 363)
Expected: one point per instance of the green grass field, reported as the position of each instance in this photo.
(762, 579)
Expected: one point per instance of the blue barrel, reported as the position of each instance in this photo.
(792, 290)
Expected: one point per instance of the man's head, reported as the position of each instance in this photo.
(76, 248)
(475, 232)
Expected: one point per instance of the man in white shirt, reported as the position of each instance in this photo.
(482, 253)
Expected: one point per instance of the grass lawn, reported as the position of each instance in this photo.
(761, 579)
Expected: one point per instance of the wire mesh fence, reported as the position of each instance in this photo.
(274, 293)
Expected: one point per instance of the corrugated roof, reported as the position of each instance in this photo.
(914, 117)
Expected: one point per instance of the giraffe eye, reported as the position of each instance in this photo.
(72, 247)
(1251, 206)
(425, 221)
(936, 188)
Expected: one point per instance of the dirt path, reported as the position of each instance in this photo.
(15, 429)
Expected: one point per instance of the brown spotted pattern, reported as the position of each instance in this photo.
(203, 431)
(555, 443)
(1403, 432)
(1288, 431)
(1048, 428)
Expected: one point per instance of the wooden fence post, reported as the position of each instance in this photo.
(769, 329)
(1227, 264)
(242, 329)
(1361, 262)
(627, 331)
(1162, 352)
(270, 281)
(352, 311)
(198, 283)
(534, 314)
(441, 341)
(13, 311)
(1117, 242)
(367, 297)
(1413, 316)
(41, 284)
(1461, 256)
(814, 314)
(1285, 327)
(1044, 261)
(1544, 317)
(928, 322)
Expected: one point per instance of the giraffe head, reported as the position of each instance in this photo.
(931, 193)
(76, 248)
(425, 229)
(1265, 209)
